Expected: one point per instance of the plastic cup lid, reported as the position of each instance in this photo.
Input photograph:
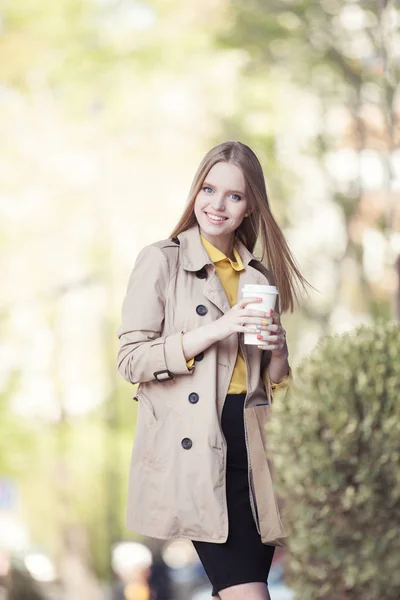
(260, 289)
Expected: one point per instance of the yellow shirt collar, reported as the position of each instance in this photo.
(216, 255)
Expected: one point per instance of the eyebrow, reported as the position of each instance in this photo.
(214, 186)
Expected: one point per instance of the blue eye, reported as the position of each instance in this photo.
(206, 187)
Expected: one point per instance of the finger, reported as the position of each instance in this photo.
(277, 330)
(254, 319)
(276, 318)
(269, 346)
(244, 301)
(272, 339)
(263, 329)
(253, 316)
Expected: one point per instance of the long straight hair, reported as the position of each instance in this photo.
(276, 255)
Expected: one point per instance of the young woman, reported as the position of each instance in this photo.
(199, 468)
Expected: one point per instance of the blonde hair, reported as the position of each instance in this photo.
(276, 255)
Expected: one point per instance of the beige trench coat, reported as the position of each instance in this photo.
(177, 472)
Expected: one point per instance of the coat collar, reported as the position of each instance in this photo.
(217, 256)
(194, 256)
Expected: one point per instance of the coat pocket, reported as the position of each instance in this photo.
(153, 434)
(146, 411)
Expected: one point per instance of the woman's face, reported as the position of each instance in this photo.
(223, 195)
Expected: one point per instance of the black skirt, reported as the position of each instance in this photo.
(243, 558)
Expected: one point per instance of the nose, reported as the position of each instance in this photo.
(218, 203)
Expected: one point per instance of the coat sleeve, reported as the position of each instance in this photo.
(271, 387)
(144, 354)
(277, 388)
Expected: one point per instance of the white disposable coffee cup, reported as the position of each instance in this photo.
(269, 294)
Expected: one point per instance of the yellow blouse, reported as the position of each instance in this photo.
(228, 273)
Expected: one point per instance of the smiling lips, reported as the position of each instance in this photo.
(215, 219)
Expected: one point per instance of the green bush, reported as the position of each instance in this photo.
(335, 445)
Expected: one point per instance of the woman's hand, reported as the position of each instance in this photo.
(240, 319)
(274, 337)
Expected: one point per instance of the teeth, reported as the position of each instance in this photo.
(216, 218)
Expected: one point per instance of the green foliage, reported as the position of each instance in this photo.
(306, 36)
(16, 438)
(336, 447)
(341, 53)
(83, 467)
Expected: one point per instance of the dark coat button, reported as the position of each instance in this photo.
(202, 274)
(201, 310)
(193, 398)
(186, 443)
(199, 356)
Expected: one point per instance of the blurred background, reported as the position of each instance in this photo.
(106, 109)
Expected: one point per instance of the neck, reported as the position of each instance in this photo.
(223, 243)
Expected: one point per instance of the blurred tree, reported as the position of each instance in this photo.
(343, 53)
(17, 438)
(7, 424)
(96, 96)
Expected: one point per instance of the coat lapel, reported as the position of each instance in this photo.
(215, 293)
(195, 257)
